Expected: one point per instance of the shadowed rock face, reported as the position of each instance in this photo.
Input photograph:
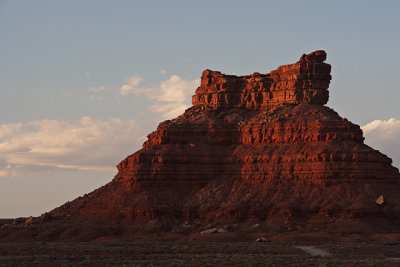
(260, 148)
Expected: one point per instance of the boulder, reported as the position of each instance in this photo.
(380, 200)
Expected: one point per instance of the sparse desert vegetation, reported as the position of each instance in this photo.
(198, 254)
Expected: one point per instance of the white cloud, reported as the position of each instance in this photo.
(169, 110)
(172, 96)
(163, 72)
(97, 89)
(87, 74)
(384, 135)
(50, 145)
(96, 93)
(7, 171)
(132, 86)
(96, 98)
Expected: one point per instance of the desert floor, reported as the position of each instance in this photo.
(200, 254)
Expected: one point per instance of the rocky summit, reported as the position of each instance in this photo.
(259, 154)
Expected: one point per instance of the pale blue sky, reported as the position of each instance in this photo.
(52, 52)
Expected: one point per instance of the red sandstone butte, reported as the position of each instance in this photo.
(261, 149)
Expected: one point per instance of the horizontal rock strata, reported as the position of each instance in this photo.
(306, 81)
(261, 149)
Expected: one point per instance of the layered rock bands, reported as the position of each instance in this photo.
(260, 148)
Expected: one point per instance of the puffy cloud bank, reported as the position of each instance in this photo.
(48, 145)
(172, 97)
(384, 135)
(88, 144)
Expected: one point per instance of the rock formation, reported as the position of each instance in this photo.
(257, 149)
(306, 81)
